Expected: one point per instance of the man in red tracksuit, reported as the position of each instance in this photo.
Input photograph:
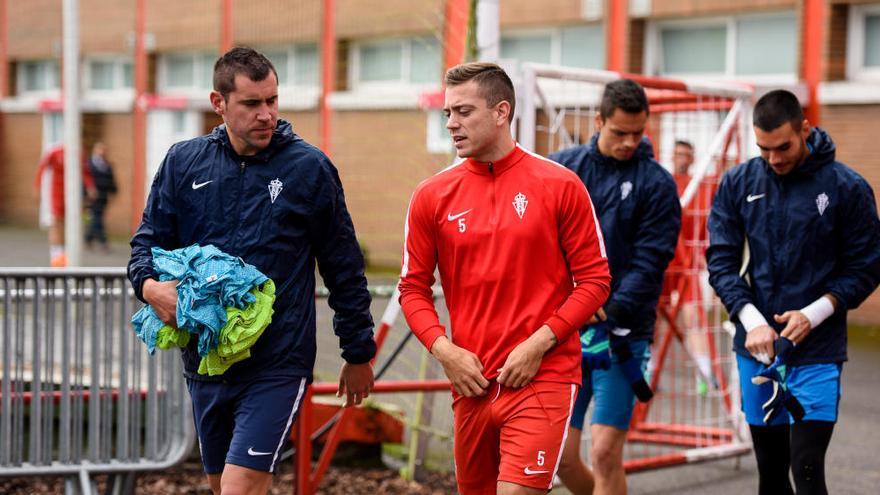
(523, 267)
(49, 187)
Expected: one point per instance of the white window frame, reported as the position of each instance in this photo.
(555, 40)
(292, 96)
(55, 85)
(653, 49)
(855, 44)
(119, 88)
(555, 34)
(197, 89)
(406, 44)
(292, 62)
(436, 127)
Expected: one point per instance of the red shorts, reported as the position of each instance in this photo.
(513, 435)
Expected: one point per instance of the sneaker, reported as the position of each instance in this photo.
(58, 261)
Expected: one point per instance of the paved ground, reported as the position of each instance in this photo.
(853, 459)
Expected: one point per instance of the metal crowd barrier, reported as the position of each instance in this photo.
(79, 394)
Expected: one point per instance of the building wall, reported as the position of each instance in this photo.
(285, 24)
(522, 13)
(851, 128)
(106, 26)
(34, 29)
(371, 18)
(683, 8)
(116, 131)
(379, 173)
(177, 25)
(21, 138)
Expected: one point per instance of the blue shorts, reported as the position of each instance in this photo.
(614, 398)
(244, 423)
(816, 387)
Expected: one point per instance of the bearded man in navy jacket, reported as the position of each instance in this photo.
(794, 244)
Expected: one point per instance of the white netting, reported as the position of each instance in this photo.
(695, 412)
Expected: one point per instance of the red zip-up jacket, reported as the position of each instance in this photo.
(518, 246)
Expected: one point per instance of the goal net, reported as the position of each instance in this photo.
(695, 413)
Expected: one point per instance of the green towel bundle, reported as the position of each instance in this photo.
(243, 328)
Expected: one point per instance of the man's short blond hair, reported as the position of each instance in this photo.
(495, 85)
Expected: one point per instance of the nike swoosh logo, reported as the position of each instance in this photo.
(201, 184)
(251, 451)
(452, 217)
(754, 197)
(529, 472)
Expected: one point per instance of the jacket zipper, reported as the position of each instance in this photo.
(493, 220)
(238, 209)
(779, 236)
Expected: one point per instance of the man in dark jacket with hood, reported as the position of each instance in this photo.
(256, 190)
(794, 244)
(637, 204)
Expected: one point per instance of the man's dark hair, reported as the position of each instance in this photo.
(495, 85)
(776, 108)
(624, 94)
(240, 60)
(686, 144)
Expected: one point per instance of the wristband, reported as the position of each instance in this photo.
(751, 318)
(818, 311)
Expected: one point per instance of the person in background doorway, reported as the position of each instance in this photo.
(49, 188)
(105, 186)
(639, 212)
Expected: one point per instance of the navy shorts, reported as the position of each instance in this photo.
(245, 423)
(816, 387)
(612, 393)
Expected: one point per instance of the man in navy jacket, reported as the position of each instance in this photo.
(794, 244)
(636, 202)
(256, 190)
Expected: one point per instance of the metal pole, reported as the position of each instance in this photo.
(488, 31)
(328, 74)
(227, 30)
(4, 62)
(139, 167)
(812, 39)
(615, 34)
(455, 25)
(72, 144)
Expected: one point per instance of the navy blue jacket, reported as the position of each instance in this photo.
(812, 231)
(640, 215)
(279, 210)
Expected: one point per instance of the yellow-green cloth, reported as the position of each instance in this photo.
(170, 337)
(243, 328)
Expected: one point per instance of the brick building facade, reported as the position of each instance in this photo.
(388, 53)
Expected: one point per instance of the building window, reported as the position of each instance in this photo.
(38, 76)
(872, 40)
(528, 47)
(576, 46)
(689, 50)
(439, 140)
(756, 47)
(863, 45)
(192, 71)
(109, 74)
(296, 65)
(583, 46)
(766, 45)
(414, 61)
